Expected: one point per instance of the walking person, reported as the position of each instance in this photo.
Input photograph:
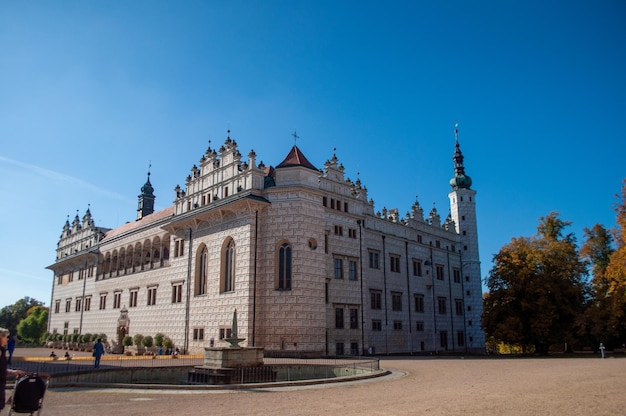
(4, 340)
(602, 349)
(98, 351)
(11, 348)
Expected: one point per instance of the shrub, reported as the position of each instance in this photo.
(137, 339)
(103, 337)
(87, 337)
(147, 341)
(158, 339)
(168, 343)
(127, 341)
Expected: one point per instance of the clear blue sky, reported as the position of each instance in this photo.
(91, 92)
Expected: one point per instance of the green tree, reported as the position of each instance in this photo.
(537, 288)
(596, 251)
(11, 315)
(147, 341)
(158, 339)
(137, 339)
(616, 279)
(127, 341)
(32, 327)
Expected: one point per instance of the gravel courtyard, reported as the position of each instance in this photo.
(418, 386)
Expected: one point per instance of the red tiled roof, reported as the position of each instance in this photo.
(148, 219)
(296, 158)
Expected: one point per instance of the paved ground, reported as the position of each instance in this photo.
(428, 386)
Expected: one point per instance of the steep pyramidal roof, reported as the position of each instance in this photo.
(296, 158)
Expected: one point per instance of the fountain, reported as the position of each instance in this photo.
(227, 365)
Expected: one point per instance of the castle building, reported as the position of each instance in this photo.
(298, 251)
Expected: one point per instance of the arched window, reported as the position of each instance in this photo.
(228, 267)
(201, 271)
(284, 267)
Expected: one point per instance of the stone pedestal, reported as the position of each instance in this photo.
(219, 357)
(232, 366)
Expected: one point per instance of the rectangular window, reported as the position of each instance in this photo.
(345, 207)
(375, 298)
(177, 293)
(354, 318)
(324, 201)
(332, 203)
(419, 303)
(397, 325)
(396, 301)
(460, 338)
(338, 230)
(152, 294)
(441, 302)
(419, 326)
(457, 275)
(57, 306)
(225, 333)
(339, 348)
(439, 271)
(352, 269)
(103, 301)
(354, 348)
(88, 303)
(458, 303)
(68, 305)
(81, 273)
(374, 260)
(419, 238)
(179, 248)
(338, 268)
(443, 339)
(417, 267)
(117, 300)
(198, 334)
(394, 263)
(339, 318)
(90, 271)
(377, 325)
(71, 276)
(132, 302)
(351, 232)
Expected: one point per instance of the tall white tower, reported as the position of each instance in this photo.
(463, 211)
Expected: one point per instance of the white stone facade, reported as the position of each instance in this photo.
(298, 252)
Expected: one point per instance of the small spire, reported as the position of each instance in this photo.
(460, 179)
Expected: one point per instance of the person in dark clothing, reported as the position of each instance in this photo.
(98, 352)
(4, 340)
(11, 348)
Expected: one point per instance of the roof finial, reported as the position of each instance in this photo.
(295, 137)
(456, 130)
(149, 167)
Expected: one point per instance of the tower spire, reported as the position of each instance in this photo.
(460, 180)
(146, 198)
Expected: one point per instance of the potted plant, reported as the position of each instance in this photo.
(139, 348)
(148, 343)
(127, 342)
